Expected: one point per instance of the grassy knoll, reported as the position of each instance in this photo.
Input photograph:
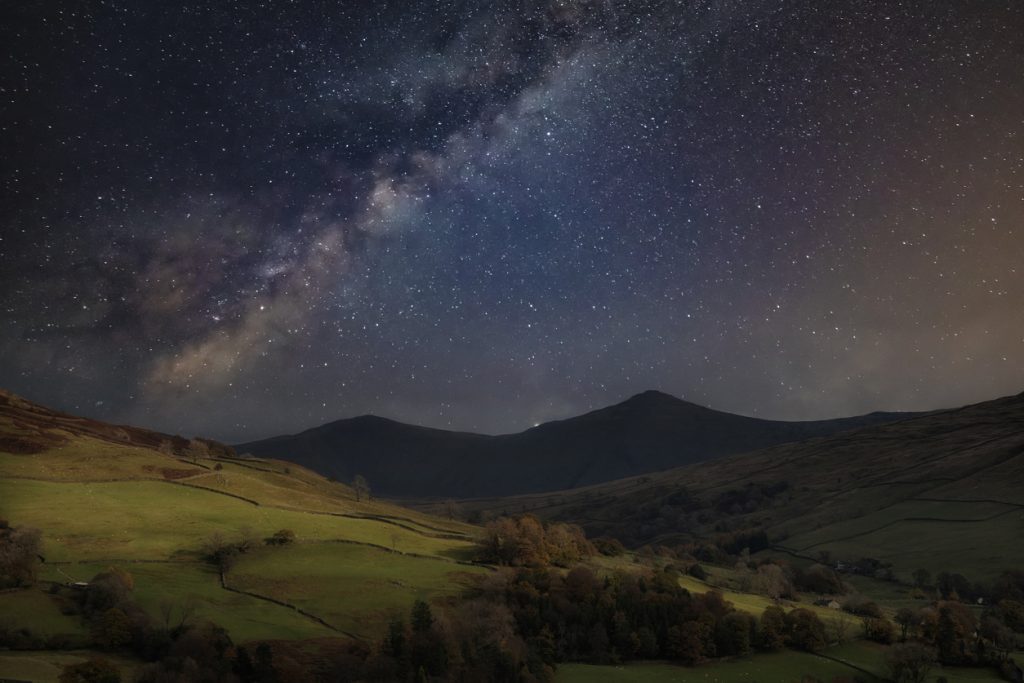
(782, 667)
(352, 587)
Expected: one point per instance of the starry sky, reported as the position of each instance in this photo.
(238, 219)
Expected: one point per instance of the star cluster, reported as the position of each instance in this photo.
(240, 219)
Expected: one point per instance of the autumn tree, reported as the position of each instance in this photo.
(19, 555)
(805, 631)
(910, 662)
(112, 629)
(772, 633)
(107, 590)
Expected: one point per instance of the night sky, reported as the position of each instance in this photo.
(237, 219)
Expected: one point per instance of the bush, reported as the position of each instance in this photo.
(281, 537)
(879, 630)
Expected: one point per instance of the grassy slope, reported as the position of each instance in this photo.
(101, 503)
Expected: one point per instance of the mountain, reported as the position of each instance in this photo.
(942, 491)
(649, 432)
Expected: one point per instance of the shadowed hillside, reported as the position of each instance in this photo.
(649, 432)
(939, 491)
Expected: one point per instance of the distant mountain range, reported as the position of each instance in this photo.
(647, 433)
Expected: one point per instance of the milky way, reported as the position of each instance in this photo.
(237, 220)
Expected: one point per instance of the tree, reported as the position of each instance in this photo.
(218, 550)
(922, 577)
(361, 487)
(910, 662)
(94, 670)
(422, 617)
(112, 629)
(771, 581)
(282, 537)
(805, 630)
(773, 628)
(734, 634)
(908, 619)
(106, 590)
(954, 625)
(19, 555)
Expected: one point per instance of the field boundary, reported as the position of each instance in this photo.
(856, 667)
(282, 603)
(910, 519)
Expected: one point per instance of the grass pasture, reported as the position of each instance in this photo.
(979, 548)
(158, 520)
(47, 619)
(196, 586)
(352, 587)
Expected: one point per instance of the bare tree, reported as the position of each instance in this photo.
(362, 488)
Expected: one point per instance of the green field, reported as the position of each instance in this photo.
(160, 520)
(47, 619)
(149, 513)
(980, 549)
(352, 587)
(196, 586)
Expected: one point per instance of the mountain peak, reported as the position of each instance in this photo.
(653, 396)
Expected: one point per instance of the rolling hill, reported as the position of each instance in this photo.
(647, 433)
(106, 495)
(943, 491)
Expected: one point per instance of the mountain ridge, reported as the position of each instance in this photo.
(647, 432)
